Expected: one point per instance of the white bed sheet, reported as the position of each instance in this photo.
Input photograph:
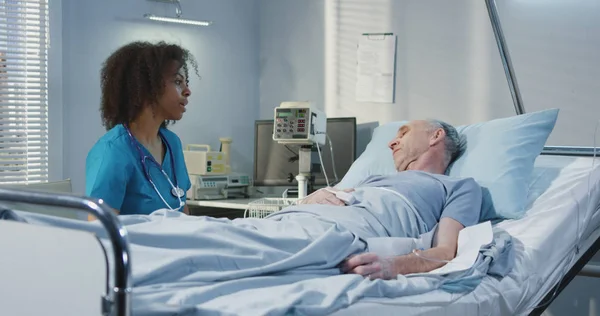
(545, 247)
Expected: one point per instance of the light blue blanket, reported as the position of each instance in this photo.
(186, 265)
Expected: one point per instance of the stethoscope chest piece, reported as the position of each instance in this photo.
(177, 192)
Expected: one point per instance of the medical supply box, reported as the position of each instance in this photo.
(218, 187)
(204, 162)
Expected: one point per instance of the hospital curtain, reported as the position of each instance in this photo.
(23, 91)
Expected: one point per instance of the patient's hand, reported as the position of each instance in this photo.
(324, 196)
(370, 265)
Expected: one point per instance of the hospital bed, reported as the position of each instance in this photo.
(80, 277)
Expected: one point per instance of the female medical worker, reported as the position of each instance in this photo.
(137, 167)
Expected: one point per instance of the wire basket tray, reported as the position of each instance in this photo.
(263, 207)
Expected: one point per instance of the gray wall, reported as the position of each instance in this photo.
(227, 55)
(291, 53)
(447, 66)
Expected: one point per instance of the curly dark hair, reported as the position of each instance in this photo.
(134, 75)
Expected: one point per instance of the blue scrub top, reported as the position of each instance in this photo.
(114, 173)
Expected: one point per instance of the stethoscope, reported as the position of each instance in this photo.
(176, 191)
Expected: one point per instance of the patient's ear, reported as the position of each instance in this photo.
(437, 136)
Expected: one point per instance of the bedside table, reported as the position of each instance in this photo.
(230, 208)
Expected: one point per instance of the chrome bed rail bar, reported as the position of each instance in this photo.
(590, 270)
(119, 304)
(570, 151)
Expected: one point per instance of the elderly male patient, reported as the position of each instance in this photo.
(326, 235)
(422, 151)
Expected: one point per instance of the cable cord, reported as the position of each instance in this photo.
(322, 166)
(579, 235)
(332, 159)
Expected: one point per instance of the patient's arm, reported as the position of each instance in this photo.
(462, 207)
(444, 248)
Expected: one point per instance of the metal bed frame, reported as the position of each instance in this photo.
(118, 300)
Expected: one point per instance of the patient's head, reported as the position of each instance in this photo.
(427, 145)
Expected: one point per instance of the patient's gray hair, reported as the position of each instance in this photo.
(454, 142)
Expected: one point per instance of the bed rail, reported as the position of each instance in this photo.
(570, 151)
(590, 270)
(117, 302)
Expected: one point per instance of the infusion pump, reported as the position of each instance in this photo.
(299, 123)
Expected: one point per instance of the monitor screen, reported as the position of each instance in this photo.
(277, 165)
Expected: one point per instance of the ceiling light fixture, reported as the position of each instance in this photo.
(178, 13)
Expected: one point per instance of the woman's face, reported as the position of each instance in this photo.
(175, 94)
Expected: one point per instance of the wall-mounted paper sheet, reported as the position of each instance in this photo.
(375, 68)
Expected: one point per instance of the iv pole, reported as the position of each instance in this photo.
(505, 55)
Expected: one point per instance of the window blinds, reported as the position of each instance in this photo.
(23, 91)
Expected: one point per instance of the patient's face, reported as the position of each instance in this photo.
(410, 143)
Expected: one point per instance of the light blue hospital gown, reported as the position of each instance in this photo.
(378, 213)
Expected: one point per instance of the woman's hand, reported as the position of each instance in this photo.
(324, 196)
(370, 265)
